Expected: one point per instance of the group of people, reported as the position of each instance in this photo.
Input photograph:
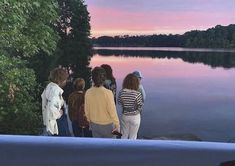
(93, 113)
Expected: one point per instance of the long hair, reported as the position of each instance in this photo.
(131, 82)
(109, 72)
(75, 100)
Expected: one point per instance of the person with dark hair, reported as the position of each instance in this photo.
(52, 101)
(76, 102)
(110, 82)
(131, 101)
(68, 88)
(100, 108)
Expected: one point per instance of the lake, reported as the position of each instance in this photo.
(190, 92)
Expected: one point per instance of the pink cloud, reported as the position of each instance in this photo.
(106, 21)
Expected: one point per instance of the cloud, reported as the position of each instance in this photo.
(107, 21)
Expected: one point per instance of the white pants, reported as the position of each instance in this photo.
(130, 126)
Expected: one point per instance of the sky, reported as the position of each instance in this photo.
(146, 17)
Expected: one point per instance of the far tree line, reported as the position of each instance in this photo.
(216, 37)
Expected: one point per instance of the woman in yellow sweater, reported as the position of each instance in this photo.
(100, 108)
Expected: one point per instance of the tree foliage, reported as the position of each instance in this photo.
(217, 37)
(74, 47)
(18, 88)
(25, 29)
(25, 26)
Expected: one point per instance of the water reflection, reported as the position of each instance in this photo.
(183, 99)
(213, 59)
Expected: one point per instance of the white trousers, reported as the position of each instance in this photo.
(130, 126)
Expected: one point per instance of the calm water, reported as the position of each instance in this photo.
(187, 93)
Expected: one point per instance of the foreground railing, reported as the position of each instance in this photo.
(71, 151)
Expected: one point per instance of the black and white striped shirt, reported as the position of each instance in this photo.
(131, 101)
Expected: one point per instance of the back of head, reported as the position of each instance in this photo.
(131, 82)
(109, 71)
(138, 74)
(79, 84)
(58, 75)
(98, 76)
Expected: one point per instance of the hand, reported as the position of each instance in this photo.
(116, 132)
(116, 129)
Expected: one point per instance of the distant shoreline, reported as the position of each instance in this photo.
(216, 37)
(175, 49)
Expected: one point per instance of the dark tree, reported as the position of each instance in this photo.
(74, 48)
(217, 37)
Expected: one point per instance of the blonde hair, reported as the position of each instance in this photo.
(79, 84)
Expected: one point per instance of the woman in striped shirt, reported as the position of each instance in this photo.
(131, 101)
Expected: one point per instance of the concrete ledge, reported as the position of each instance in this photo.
(71, 151)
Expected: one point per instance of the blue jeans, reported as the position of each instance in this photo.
(63, 126)
(81, 131)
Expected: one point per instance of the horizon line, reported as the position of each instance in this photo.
(146, 33)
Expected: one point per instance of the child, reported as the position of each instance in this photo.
(76, 110)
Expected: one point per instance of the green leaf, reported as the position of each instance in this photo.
(37, 4)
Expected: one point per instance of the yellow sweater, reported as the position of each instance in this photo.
(100, 107)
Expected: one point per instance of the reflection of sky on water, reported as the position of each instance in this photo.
(182, 98)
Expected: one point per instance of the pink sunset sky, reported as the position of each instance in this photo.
(141, 17)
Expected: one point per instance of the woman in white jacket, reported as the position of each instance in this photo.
(52, 100)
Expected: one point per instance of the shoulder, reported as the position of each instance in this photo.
(123, 91)
(138, 93)
(54, 87)
(73, 95)
(129, 91)
(108, 92)
(53, 90)
(135, 93)
(89, 91)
